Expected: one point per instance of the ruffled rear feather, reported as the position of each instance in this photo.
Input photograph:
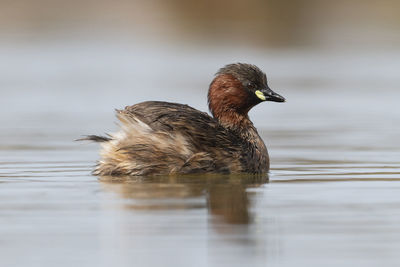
(137, 149)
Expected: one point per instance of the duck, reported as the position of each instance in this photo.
(163, 138)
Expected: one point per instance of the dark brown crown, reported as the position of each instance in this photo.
(249, 75)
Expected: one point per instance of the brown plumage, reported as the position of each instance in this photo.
(168, 138)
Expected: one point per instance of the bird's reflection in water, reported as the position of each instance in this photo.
(225, 196)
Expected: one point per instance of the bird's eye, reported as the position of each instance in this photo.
(250, 85)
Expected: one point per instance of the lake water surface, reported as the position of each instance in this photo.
(331, 199)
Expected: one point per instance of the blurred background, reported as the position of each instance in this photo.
(79, 57)
(264, 24)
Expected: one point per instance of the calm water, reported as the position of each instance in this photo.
(332, 197)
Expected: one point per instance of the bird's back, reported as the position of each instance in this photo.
(164, 138)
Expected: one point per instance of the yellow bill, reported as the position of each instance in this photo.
(260, 95)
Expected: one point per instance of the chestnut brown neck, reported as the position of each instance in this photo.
(229, 102)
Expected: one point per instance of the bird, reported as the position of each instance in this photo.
(163, 138)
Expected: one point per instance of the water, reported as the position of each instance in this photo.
(331, 198)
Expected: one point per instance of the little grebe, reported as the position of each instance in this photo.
(169, 138)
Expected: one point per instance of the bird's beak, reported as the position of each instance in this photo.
(266, 94)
